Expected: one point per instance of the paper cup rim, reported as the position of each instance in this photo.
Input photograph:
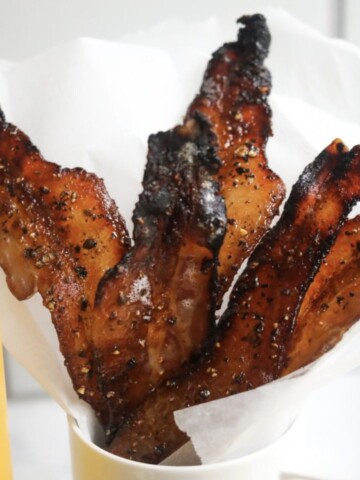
(73, 425)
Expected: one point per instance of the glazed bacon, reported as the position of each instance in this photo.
(136, 325)
(331, 305)
(233, 99)
(254, 333)
(156, 308)
(64, 232)
(59, 233)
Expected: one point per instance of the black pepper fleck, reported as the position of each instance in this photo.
(132, 363)
(89, 243)
(81, 271)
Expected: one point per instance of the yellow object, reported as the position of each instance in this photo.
(5, 460)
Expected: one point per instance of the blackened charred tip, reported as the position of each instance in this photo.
(341, 147)
(355, 151)
(2, 116)
(254, 36)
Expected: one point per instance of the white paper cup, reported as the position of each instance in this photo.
(90, 462)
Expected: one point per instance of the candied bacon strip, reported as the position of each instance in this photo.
(148, 337)
(331, 305)
(234, 101)
(156, 307)
(85, 218)
(255, 330)
(59, 233)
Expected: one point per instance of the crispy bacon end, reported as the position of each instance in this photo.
(233, 99)
(331, 305)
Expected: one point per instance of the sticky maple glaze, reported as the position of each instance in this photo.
(234, 100)
(254, 332)
(60, 232)
(331, 305)
(156, 308)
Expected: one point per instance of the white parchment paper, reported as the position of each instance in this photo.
(93, 103)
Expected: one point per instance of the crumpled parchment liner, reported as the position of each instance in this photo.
(93, 103)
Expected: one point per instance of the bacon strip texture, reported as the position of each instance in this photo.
(125, 329)
(233, 99)
(59, 233)
(331, 305)
(156, 309)
(255, 331)
(208, 199)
